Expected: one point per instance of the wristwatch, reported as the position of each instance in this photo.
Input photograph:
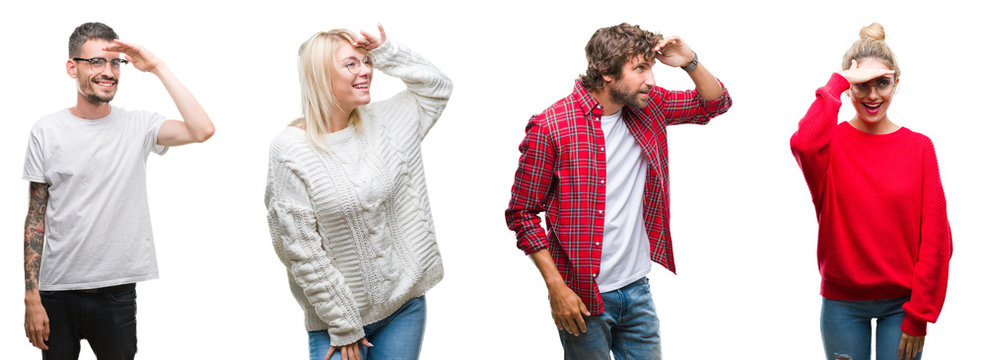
(691, 66)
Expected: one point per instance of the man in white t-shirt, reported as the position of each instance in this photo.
(596, 163)
(87, 237)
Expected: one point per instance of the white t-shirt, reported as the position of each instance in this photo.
(625, 249)
(97, 223)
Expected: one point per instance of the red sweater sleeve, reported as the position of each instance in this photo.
(810, 144)
(935, 250)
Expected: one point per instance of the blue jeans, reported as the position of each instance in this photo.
(397, 336)
(107, 317)
(846, 328)
(628, 327)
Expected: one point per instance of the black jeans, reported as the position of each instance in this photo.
(106, 317)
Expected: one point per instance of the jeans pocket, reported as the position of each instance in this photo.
(122, 297)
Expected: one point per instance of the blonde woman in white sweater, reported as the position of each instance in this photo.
(347, 204)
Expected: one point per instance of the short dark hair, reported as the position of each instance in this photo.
(611, 47)
(90, 30)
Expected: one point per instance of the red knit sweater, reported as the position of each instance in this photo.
(882, 227)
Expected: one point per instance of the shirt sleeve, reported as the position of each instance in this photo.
(154, 122)
(34, 158)
(428, 89)
(688, 107)
(532, 183)
(810, 143)
(298, 245)
(934, 252)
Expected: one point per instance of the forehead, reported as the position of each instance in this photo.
(638, 59)
(94, 48)
(345, 50)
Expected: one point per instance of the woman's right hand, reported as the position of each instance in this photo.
(856, 75)
(349, 352)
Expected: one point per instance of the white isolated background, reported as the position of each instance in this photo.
(742, 221)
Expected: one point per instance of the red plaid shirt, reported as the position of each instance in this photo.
(562, 171)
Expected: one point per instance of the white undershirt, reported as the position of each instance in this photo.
(625, 248)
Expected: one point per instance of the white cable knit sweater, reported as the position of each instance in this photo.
(353, 224)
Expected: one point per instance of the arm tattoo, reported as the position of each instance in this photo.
(34, 234)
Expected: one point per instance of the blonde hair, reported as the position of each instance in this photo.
(316, 64)
(871, 45)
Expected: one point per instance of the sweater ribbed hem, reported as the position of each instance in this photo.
(836, 291)
(378, 311)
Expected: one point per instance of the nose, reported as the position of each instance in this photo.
(649, 78)
(107, 70)
(364, 69)
(872, 93)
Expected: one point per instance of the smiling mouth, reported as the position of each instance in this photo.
(104, 82)
(872, 108)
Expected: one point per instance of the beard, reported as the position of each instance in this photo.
(622, 94)
(88, 90)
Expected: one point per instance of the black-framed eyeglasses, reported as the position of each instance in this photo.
(354, 65)
(97, 63)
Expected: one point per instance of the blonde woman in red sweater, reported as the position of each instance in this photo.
(883, 237)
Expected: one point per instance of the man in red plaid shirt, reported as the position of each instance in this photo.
(596, 163)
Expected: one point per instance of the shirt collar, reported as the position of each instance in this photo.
(585, 101)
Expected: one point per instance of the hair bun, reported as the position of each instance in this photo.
(873, 31)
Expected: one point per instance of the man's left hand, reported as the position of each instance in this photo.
(673, 51)
(141, 58)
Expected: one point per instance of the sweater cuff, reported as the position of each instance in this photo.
(388, 52)
(913, 326)
(338, 337)
(836, 84)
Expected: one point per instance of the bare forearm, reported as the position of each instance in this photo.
(705, 83)
(196, 120)
(546, 265)
(34, 235)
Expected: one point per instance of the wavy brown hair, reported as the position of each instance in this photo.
(611, 47)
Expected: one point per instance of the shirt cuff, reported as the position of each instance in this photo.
(713, 105)
(532, 242)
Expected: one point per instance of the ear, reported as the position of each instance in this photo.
(71, 69)
(607, 78)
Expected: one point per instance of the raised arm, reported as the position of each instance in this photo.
(196, 125)
(708, 100)
(426, 85)
(298, 245)
(673, 51)
(35, 318)
(810, 143)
